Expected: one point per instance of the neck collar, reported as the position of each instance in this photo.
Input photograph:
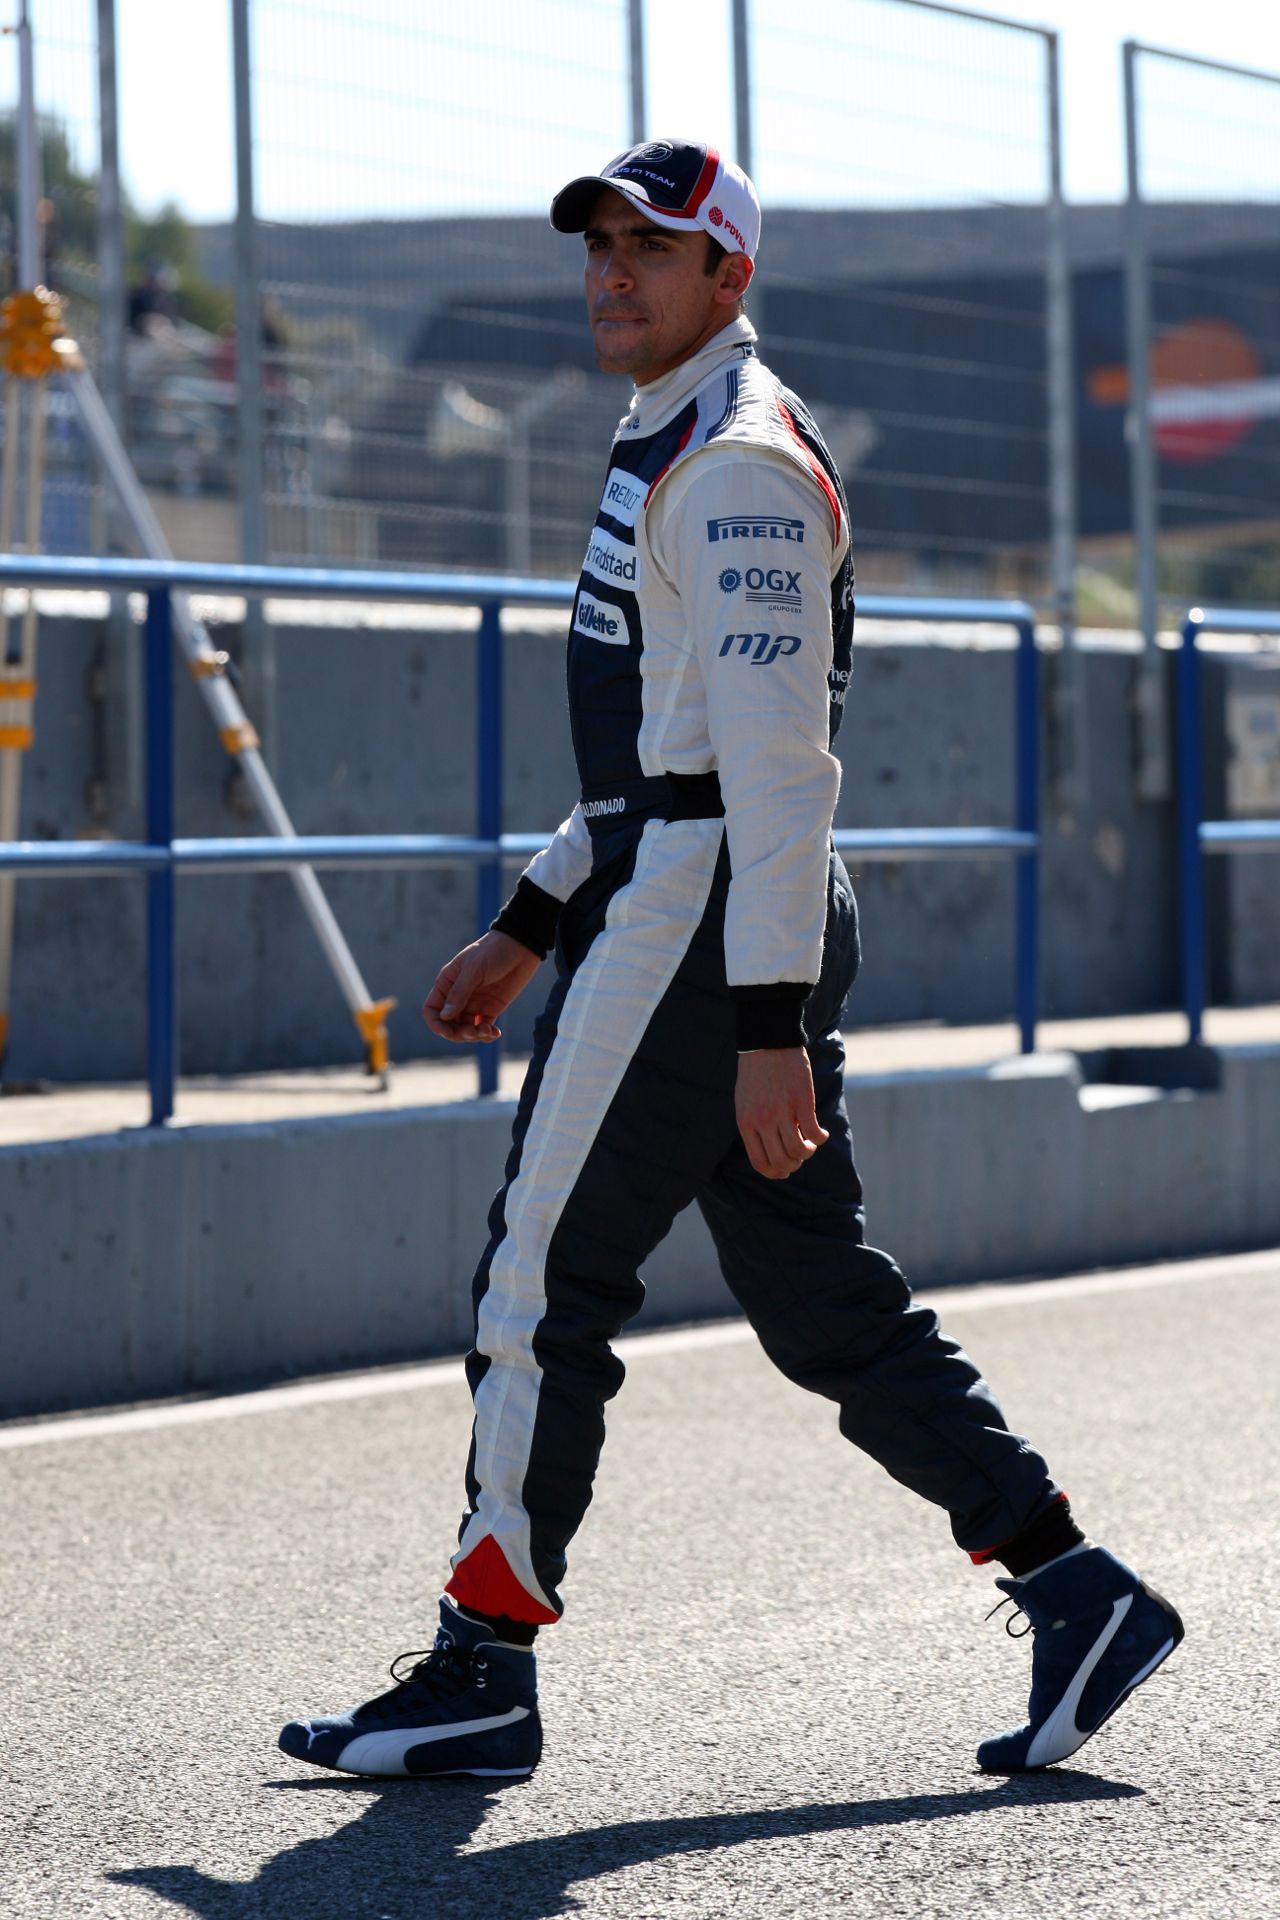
(655, 404)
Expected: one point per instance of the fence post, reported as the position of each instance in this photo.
(1027, 908)
(635, 71)
(1190, 852)
(162, 1010)
(489, 793)
(250, 419)
(1065, 673)
(1153, 746)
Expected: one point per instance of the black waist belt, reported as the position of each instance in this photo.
(666, 796)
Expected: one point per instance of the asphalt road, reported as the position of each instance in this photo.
(766, 1693)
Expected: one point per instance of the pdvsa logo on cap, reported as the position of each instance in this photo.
(715, 216)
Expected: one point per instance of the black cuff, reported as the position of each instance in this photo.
(530, 917)
(770, 1017)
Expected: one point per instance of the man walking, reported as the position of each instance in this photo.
(706, 939)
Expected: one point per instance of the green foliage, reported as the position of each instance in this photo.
(168, 239)
(165, 237)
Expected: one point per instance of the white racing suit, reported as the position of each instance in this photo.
(697, 910)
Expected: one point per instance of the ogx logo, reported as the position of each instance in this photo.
(774, 584)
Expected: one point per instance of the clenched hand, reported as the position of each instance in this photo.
(776, 1114)
(476, 986)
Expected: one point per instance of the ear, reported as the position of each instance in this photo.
(735, 278)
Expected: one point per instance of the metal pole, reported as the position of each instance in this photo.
(111, 274)
(489, 793)
(30, 264)
(112, 296)
(742, 88)
(162, 1007)
(18, 656)
(253, 545)
(229, 718)
(635, 69)
(1027, 903)
(1071, 764)
(1153, 746)
(1190, 851)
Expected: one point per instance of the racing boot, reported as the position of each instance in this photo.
(470, 1705)
(1099, 1632)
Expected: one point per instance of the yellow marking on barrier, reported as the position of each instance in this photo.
(17, 689)
(372, 1022)
(17, 738)
(32, 341)
(206, 666)
(238, 739)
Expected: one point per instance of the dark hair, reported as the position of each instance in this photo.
(715, 254)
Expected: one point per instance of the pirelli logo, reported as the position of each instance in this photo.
(737, 527)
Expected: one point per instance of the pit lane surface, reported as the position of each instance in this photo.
(766, 1693)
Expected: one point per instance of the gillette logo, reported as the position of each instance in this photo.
(600, 623)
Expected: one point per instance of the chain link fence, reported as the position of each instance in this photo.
(905, 164)
(1205, 206)
(427, 399)
(427, 389)
(67, 221)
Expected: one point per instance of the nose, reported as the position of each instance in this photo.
(614, 270)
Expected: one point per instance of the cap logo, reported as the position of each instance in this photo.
(656, 150)
(715, 216)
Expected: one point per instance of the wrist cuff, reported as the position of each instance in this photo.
(530, 917)
(770, 1016)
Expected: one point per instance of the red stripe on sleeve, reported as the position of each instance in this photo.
(816, 467)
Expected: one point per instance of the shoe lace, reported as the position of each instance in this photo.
(437, 1673)
(1019, 1633)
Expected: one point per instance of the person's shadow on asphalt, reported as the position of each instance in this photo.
(402, 1859)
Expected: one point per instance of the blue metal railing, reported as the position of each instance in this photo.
(161, 856)
(1197, 836)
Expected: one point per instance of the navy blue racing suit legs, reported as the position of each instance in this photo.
(698, 911)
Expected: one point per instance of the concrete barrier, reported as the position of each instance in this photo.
(137, 1265)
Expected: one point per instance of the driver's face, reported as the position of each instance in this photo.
(650, 301)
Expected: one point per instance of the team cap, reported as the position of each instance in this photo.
(675, 183)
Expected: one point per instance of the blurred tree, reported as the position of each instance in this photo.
(71, 194)
(169, 238)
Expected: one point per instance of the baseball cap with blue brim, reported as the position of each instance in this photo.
(675, 183)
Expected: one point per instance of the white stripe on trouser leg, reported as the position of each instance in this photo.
(611, 1001)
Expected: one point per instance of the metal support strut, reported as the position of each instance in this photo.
(33, 346)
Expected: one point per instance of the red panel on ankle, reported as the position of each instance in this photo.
(485, 1583)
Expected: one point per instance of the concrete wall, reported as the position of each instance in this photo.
(375, 726)
(133, 1265)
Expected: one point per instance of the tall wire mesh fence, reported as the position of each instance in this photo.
(1208, 151)
(66, 102)
(428, 397)
(903, 160)
(428, 390)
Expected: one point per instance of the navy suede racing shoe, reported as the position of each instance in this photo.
(1099, 1632)
(468, 1706)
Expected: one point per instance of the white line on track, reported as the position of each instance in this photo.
(633, 1347)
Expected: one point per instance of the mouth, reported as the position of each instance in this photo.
(619, 320)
